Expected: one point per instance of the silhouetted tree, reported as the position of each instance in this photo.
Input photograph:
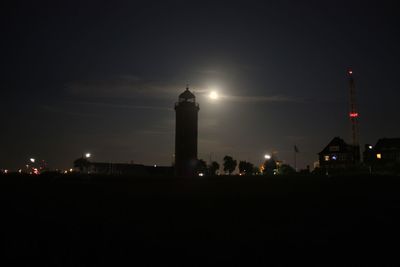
(286, 169)
(269, 167)
(201, 166)
(256, 170)
(229, 164)
(214, 167)
(246, 168)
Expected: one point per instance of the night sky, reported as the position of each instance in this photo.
(103, 77)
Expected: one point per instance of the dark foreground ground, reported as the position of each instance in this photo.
(91, 221)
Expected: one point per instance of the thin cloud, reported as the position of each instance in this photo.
(262, 99)
(53, 109)
(121, 87)
(134, 87)
(254, 99)
(68, 110)
(204, 92)
(124, 106)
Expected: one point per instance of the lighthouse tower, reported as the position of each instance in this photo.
(186, 110)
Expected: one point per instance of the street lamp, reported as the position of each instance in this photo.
(32, 160)
(267, 156)
(88, 155)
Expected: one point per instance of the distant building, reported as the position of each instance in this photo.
(186, 110)
(116, 168)
(338, 155)
(385, 154)
(103, 168)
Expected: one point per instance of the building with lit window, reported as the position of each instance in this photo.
(384, 156)
(338, 155)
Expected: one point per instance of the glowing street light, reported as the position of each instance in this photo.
(32, 160)
(88, 155)
(267, 156)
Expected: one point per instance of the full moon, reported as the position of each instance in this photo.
(214, 95)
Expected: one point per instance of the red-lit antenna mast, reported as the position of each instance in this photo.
(353, 115)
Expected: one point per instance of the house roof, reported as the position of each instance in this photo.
(337, 142)
(388, 144)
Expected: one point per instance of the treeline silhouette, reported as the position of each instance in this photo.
(269, 167)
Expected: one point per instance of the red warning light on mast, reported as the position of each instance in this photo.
(353, 115)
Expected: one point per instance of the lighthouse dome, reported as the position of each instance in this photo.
(187, 96)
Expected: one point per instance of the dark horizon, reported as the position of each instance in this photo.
(103, 78)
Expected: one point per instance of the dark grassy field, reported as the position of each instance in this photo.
(90, 221)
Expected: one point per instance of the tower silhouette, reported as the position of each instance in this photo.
(354, 115)
(186, 110)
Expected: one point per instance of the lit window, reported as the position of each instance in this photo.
(379, 156)
(326, 158)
